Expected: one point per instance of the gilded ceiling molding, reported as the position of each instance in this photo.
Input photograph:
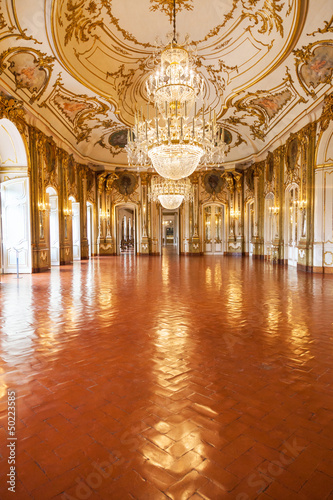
(76, 111)
(268, 16)
(2, 20)
(30, 68)
(314, 66)
(13, 110)
(120, 80)
(266, 107)
(9, 24)
(328, 28)
(85, 16)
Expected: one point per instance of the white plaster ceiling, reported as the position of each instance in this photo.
(80, 65)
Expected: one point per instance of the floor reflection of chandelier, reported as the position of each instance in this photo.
(170, 193)
(178, 137)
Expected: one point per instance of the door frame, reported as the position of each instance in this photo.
(4, 268)
(51, 192)
(294, 248)
(224, 227)
(115, 229)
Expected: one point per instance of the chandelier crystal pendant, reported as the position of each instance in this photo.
(178, 137)
(170, 193)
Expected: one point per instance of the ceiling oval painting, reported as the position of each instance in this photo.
(119, 138)
(111, 46)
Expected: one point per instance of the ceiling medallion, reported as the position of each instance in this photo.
(178, 137)
(170, 193)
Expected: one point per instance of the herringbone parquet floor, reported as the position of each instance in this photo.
(168, 378)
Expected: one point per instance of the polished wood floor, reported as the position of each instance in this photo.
(157, 378)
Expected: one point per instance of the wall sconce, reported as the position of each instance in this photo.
(104, 215)
(67, 212)
(302, 204)
(235, 214)
(274, 210)
(44, 207)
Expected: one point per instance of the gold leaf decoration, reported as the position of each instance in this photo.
(166, 6)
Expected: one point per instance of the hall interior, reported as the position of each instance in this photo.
(166, 248)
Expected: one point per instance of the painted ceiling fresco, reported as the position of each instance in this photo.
(81, 65)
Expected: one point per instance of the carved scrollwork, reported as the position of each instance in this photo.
(13, 110)
(327, 113)
(328, 28)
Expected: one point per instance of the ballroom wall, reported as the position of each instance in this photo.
(279, 208)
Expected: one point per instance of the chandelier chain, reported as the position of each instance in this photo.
(174, 22)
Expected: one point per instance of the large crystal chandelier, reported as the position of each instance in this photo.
(179, 136)
(170, 193)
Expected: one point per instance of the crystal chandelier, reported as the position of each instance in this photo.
(170, 193)
(178, 137)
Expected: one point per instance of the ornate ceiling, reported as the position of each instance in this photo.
(80, 66)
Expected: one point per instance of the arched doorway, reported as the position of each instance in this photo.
(76, 232)
(213, 228)
(126, 224)
(90, 234)
(292, 229)
(249, 227)
(170, 230)
(15, 201)
(54, 226)
(268, 225)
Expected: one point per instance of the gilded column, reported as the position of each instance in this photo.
(82, 192)
(258, 240)
(144, 244)
(65, 220)
(278, 239)
(39, 223)
(306, 202)
(195, 243)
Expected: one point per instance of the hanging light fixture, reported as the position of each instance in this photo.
(178, 137)
(170, 193)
